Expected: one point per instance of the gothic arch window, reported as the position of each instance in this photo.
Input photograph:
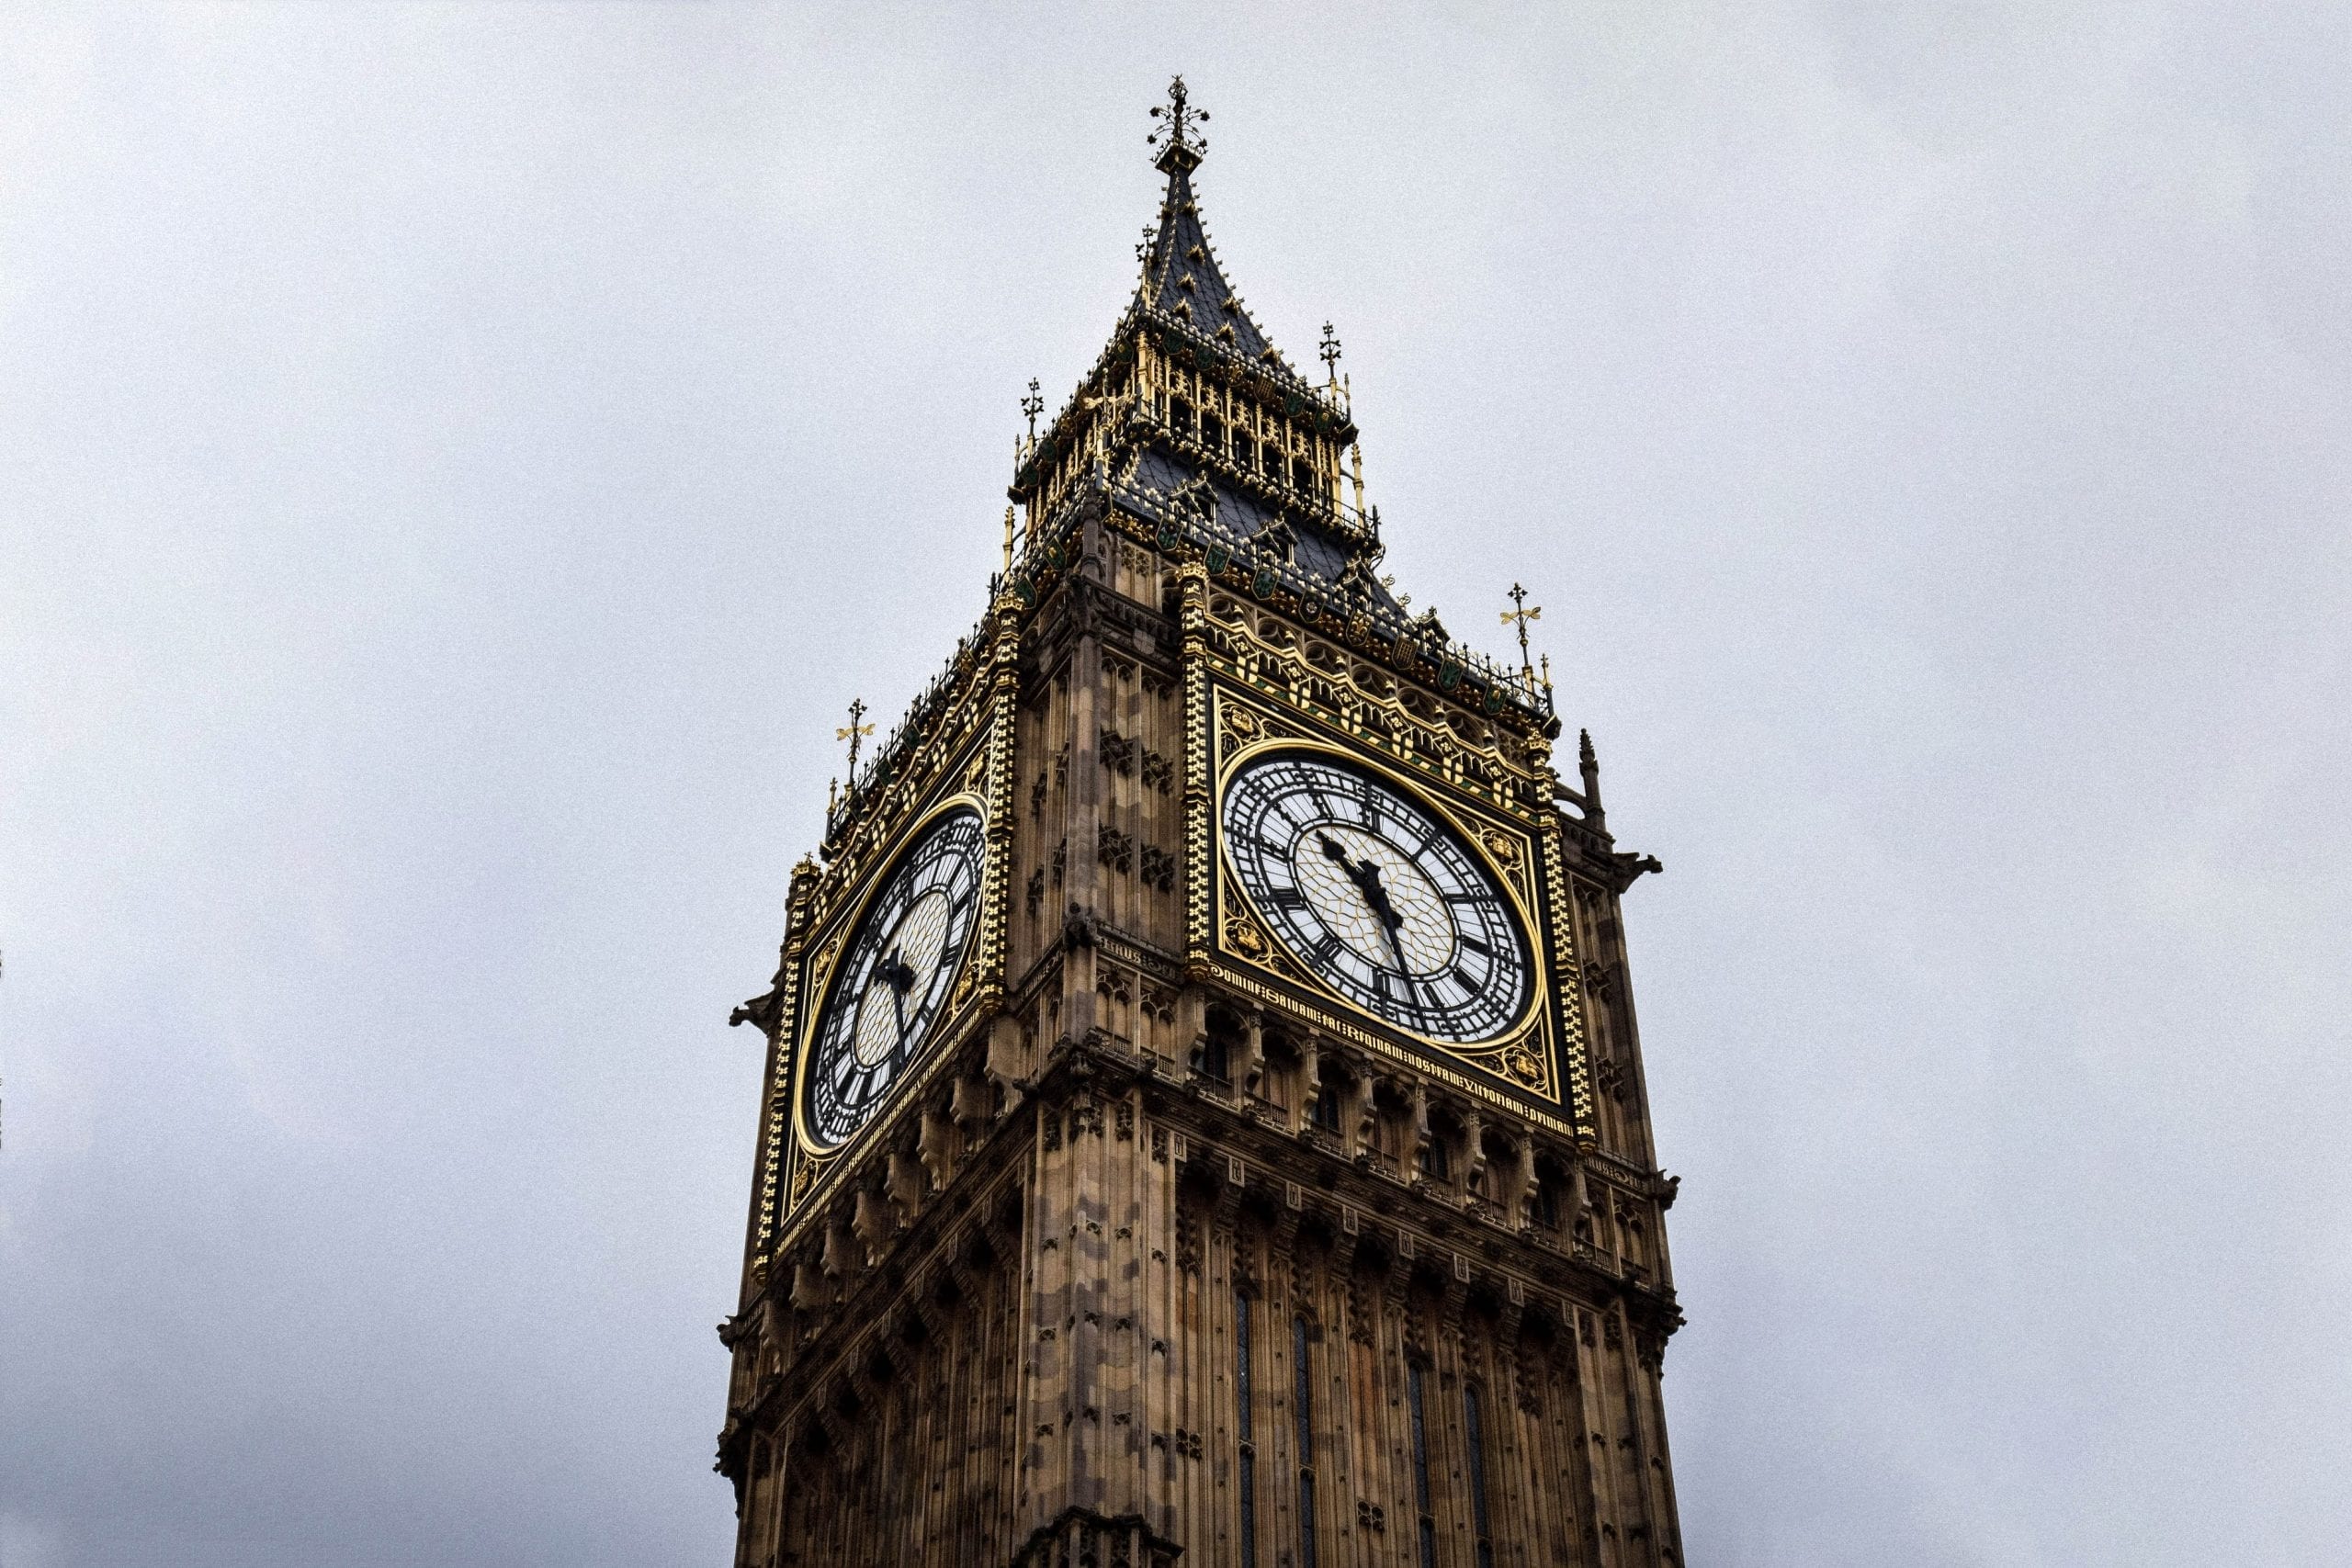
(1212, 1058)
(1547, 1195)
(1437, 1157)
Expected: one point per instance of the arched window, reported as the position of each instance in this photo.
(1436, 1162)
(1547, 1198)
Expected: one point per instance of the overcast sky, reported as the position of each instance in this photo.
(457, 462)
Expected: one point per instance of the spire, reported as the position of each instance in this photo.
(1191, 425)
(1181, 275)
(1177, 136)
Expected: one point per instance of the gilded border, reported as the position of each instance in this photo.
(835, 936)
(1193, 582)
(1538, 911)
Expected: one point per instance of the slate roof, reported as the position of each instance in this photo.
(1149, 486)
(1182, 276)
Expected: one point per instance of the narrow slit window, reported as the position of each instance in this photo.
(1473, 1437)
(1421, 1464)
(1301, 1401)
(1245, 1474)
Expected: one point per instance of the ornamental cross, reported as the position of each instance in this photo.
(1179, 121)
(1522, 614)
(853, 732)
(1330, 352)
(1033, 405)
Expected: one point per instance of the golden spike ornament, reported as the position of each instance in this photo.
(1522, 614)
(853, 732)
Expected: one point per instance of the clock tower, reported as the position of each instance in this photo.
(1204, 1119)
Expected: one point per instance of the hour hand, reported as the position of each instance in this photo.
(903, 979)
(1331, 850)
(1378, 897)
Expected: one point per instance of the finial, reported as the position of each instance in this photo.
(853, 732)
(1150, 238)
(1177, 135)
(1033, 405)
(1548, 683)
(1008, 545)
(1589, 767)
(1522, 614)
(1331, 353)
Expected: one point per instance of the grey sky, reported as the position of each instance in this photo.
(455, 464)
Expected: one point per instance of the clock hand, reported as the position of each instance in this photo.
(1391, 922)
(1366, 877)
(902, 980)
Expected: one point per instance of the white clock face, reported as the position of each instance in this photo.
(893, 983)
(1376, 897)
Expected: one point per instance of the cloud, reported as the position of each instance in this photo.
(455, 464)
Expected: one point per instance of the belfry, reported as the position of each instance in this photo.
(1204, 1119)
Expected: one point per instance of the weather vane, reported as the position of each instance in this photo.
(1033, 405)
(1522, 614)
(1180, 122)
(853, 732)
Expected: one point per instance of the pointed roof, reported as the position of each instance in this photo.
(1182, 276)
(1254, 503)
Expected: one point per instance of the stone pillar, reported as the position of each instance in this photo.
(1310, 1076)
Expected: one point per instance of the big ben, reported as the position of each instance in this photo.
(1204, 1119)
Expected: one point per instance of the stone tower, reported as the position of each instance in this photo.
(1204, 1118)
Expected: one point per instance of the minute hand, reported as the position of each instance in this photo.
(1366, 877)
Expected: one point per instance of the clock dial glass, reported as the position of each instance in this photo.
(893, 980)
(1376, 897)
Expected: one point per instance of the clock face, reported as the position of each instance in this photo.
(1377, 898)
(893, 979)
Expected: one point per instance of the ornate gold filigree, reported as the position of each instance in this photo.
(1243, 936)
(803, 1176)
(1241, 725)
(1526, 1066)
(1572, 1053)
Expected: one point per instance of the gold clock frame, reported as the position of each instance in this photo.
(1535, 1065)
(820, 965)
